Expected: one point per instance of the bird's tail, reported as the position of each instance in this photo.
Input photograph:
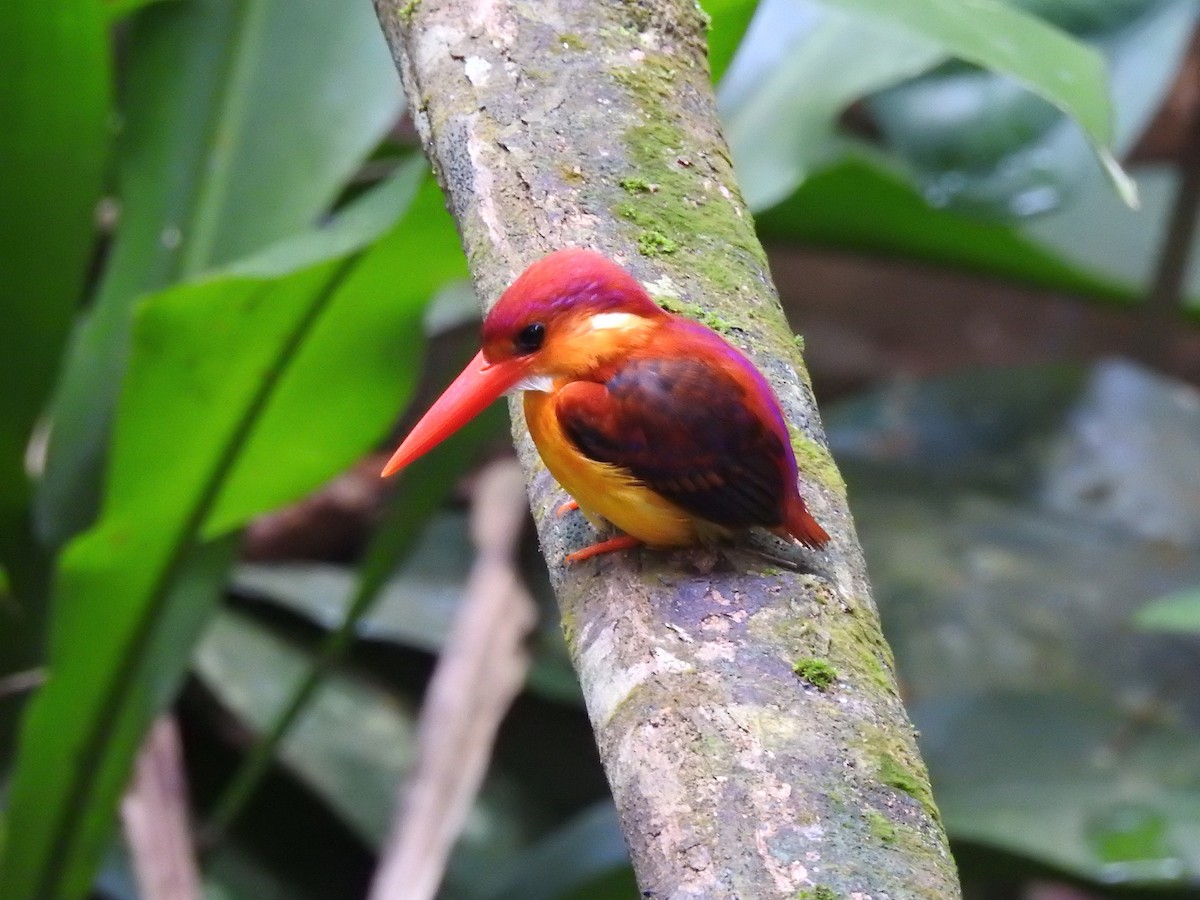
(803, 527)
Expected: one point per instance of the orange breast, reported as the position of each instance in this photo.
(604, 491)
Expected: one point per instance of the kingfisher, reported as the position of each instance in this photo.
(651, 422)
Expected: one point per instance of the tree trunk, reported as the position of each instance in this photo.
(746, 712)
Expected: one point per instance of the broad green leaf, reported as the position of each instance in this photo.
(1004, 39)
(729, 20)
(1097, 234)
(177, 384)
(187, 416)
(65, 786)
(781, 109)
(1094, 246)
(352, 746)
(805, 65)
(365, 603)
(980, 142)
(1178, 613)
(116, 10)
(346, 383)
(861, 206)
(55, 76)
(244, 119)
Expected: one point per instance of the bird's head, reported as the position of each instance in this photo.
(569, 314)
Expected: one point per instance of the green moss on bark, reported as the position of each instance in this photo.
(696, 312)
(896, 765)
(881, 826)
(408, 10)
(670, 194)
(652, 242)
(571, 42)
(817, 672)
(815, 461)
(636, 185)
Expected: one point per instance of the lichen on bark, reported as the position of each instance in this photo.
(567, 122)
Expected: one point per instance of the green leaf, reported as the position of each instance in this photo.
(1004, 39)
(783, 98)
(1094, 246)
(244, 120)
(979, 141)
(346, 604)
(54, 105)
(352, 746)
(347, 382)
(828, 210)
(1178, 613)
(84, 727)
(781, 111)
(1101, 236)
(728, 21)
(116, 10)
(193, 426)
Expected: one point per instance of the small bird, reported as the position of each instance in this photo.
(650, 421)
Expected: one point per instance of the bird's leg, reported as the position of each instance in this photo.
(620, 542)
(569, 506)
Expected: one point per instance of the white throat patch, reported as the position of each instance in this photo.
(543, 383)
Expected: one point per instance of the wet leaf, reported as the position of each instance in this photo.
(1004, 39)
(804, 66)
(979, 142)
(781, 105)
(829, 210)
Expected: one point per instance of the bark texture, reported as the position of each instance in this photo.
(746, 711)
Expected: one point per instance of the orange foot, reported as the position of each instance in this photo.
(569, 506)
(620, 542)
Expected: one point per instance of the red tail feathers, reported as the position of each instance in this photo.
(803, 527)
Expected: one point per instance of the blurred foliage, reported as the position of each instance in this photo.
(1176, 612)
(255, 318)
(1016, 524)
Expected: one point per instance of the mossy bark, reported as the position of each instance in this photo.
(592, 123)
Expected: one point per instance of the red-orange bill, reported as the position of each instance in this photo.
(476, 388)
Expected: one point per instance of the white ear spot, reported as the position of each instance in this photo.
(602, 321)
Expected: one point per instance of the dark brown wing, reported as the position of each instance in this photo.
(685, 429)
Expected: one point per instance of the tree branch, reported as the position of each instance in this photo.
(593, 123)
(479, 673)
(155, 814)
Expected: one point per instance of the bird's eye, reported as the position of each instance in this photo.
(530, 338)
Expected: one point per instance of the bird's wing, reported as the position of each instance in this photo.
(685, 429)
